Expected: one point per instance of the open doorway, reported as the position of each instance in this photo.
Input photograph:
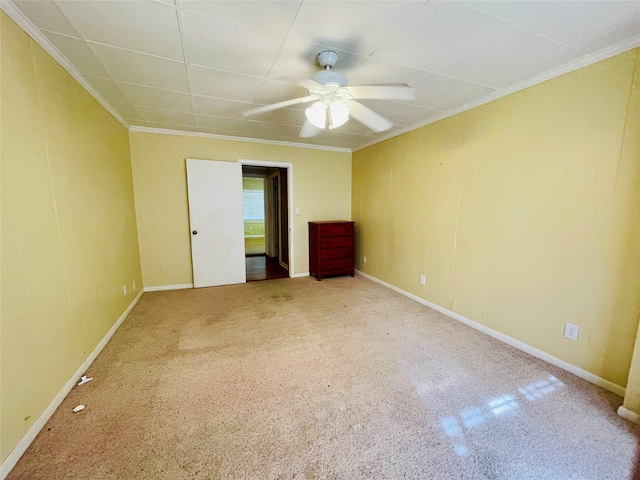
(266, 222)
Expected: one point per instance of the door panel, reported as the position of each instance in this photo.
(215, 213)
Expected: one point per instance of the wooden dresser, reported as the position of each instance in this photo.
(331, 248)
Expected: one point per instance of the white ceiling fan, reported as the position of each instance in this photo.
(335, 102)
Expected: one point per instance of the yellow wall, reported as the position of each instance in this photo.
(321, 188)
(68, 227)
(522, 213)
(632, 397)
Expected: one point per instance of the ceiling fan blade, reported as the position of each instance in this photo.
(369, 118)
(396, 91)
(276, 106)
(308, 130)
(305, 82)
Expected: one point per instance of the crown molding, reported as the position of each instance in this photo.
(184, 133)
(581, 62)
(34, 32)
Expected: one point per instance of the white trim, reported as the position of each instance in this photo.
(299, 275)
(628, 414)
(162, 288)
(31, 434)
(289, 167)
(581, 62)
(162, 131)
(34, 32)
(588, 376)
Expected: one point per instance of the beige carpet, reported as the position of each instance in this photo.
(339, 379)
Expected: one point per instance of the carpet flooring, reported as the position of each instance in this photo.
(339, 379)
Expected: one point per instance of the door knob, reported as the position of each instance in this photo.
(195, 232)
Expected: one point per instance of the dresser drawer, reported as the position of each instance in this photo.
(327, 253)
(336, 230)
(332, 242)
(336, 264)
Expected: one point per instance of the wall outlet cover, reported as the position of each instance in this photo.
(571, 331)
(423, 279)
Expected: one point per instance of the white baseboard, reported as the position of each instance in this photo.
(628, 414)
(588, 376)
(31, 434)
(298, 275)
(160, 288)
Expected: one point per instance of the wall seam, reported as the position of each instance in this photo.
(55, 203)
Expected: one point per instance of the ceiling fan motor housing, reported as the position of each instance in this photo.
(329, 78)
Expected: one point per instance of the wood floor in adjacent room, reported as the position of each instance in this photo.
(340, 379)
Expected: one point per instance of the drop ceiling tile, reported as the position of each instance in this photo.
(603, 41)
(220, 123)
(355, 127)
(140, 69)
(399, 113)
(437, 89)
(47, 16)
(214, 83)
(273, 91)
(283, 116)
(466, 98)
(223, 45)
(350, 26)
(108, 89)
(270, 16)
(219, 107)
(166, 116)
(426, 116)
(77, 52)
(501, 55)
(514, 11)
(127, 111)
(563, 22)
(266, 128)
(440, 32)
(297, 60)
(372, 72)
(143, 26)
(156, 98)
(536, 69)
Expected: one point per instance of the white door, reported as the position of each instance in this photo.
(216, 221)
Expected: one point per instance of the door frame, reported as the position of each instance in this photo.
(290, 209)
(275, 214)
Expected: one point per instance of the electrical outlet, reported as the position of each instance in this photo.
(423, 279)
(571, 331)
(364, 259)
(124, 289)
(134, 285)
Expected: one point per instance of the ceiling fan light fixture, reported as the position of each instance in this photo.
(338, 114)
(317, 115)
(330, 115)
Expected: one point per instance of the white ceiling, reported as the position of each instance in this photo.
(197, 65)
